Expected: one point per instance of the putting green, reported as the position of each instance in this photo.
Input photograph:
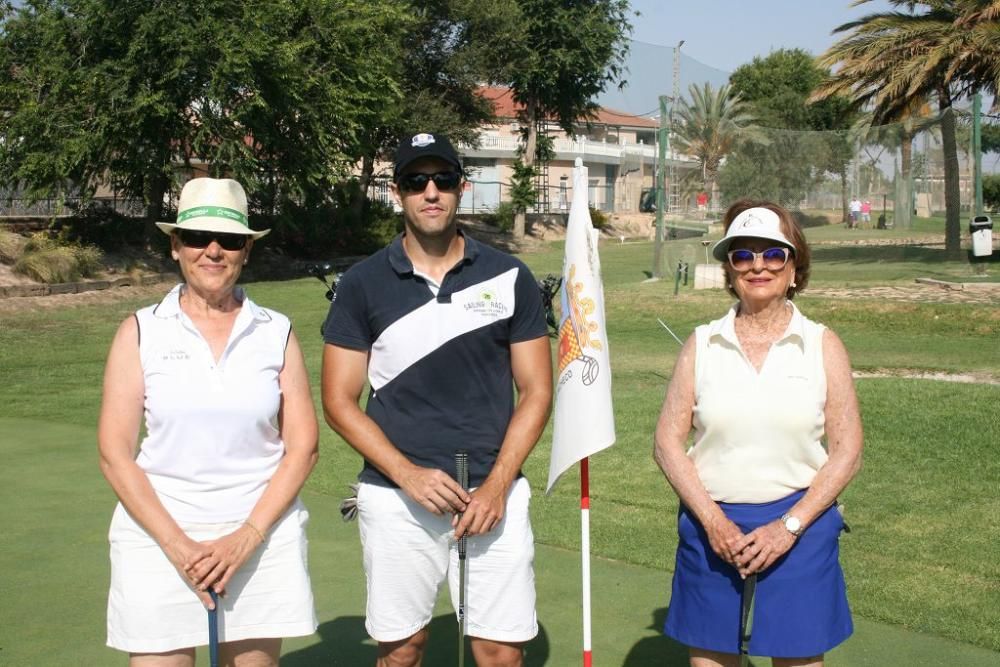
(55, 511)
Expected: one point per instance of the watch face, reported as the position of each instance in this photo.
(792, 524)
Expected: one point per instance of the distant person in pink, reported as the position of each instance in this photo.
(866, 213)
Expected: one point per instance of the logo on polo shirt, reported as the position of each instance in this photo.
(176, 355)
(488, 304)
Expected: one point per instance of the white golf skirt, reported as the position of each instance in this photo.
(152, 609)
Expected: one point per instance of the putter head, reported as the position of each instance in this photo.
(549, 287)
(320, 271)
(349, 505)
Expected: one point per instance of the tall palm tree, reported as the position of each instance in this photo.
(978, 60)
(894, 61)
(709, 125)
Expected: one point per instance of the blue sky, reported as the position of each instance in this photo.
(719, 36)
(724, 34)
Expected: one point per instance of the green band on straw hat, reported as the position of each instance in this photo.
(213, 212)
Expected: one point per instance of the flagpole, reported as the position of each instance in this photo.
(585, 555)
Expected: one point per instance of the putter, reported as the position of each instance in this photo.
(462, 473)
(213, 630)
(746, 618)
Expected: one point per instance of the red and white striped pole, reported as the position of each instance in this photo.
(585, 555)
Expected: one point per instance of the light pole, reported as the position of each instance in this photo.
(673, 105)
(977, 151)
(661, 158)
(662, 184)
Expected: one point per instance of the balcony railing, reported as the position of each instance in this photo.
(565, 148)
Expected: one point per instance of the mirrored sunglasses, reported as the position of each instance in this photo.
(417, 182)
(774, 259)
(196, 239)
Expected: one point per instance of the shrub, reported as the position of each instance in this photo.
(991, 191)
(55, 260)
(11, 247)
(40, 242)
(317, 230)
(89, 259)
(502, 217)
(598, 218)
(97, 223)
(52, 265)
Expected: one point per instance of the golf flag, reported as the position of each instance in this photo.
(584, 423)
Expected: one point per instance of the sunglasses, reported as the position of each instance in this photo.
(774, 259)
(417, 182)
(194, 239)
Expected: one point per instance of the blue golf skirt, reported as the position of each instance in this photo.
(800, 606)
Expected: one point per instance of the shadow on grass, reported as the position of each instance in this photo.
(805, 220)
(658, 650)
(344, 641)
(894, 253)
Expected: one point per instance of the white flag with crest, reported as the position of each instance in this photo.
(584, 422)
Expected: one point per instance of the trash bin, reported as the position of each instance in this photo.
(981, 229)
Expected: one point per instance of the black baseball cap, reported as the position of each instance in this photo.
(423, 145)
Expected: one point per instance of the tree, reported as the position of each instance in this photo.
(990, 138)
(567, 52)
(449, 50)
(709, 126)
(895, 61)
(991, 191)
(777, 88)
(275, 93)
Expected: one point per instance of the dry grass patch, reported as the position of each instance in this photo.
(11, 246)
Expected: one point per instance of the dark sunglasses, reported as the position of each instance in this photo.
(417, 182)
(194, 239)
(774, 259)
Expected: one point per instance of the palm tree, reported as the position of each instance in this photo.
(894, 61)
(709, 126)
(978, 61)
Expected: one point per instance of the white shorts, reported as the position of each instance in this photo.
(408, 552)
(151, 608)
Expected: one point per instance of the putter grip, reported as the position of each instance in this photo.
(462, 476)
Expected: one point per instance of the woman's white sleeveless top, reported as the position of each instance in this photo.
(212, 440)
(757, 435)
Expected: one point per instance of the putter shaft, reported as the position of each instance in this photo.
(462, 475)
(213, 630)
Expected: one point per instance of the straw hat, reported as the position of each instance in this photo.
(755, 223)
(212, 205)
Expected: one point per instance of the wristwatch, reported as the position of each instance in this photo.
(792, 524)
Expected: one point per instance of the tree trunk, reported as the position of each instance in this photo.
(952, 194)
(528, 159)
(359, 205)
(903, 211)
(156, 189)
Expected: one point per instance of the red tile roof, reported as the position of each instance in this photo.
(505, 107)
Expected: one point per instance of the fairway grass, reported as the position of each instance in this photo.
(54, 578)
(925, 509)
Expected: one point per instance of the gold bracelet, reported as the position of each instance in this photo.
(249, 524)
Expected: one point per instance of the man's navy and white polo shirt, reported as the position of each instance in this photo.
(439, 366)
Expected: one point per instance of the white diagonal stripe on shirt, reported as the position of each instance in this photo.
(425, 329)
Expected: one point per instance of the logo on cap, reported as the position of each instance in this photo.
(422, 140)
(751, 220)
